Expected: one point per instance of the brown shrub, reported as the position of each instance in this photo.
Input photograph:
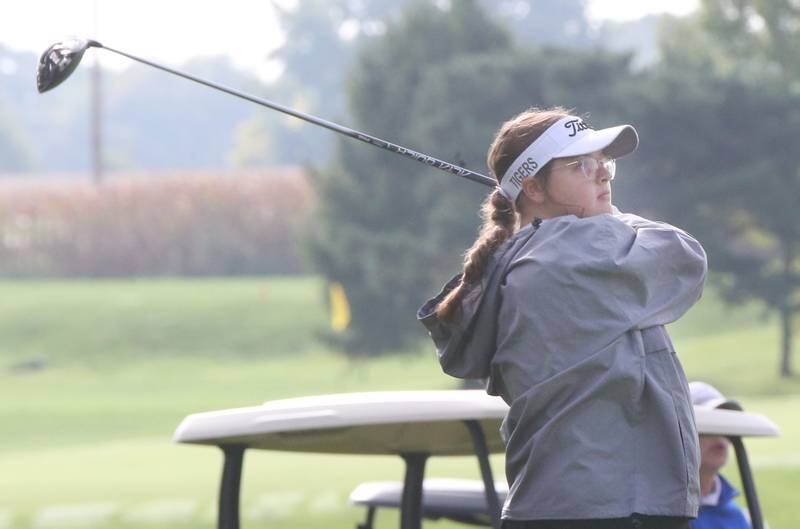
(176, 223)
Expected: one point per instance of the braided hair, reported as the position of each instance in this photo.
(500, 216)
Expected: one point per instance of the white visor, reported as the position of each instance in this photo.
(569, 136)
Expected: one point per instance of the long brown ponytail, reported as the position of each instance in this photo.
(500, 216)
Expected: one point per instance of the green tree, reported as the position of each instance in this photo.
(371, 230)
(321, 37)
(15, 153)
(319, 41)
(390, 229)
(460, 106)
(754, 37)
(560, 23)
(252, 145)
(720, 117)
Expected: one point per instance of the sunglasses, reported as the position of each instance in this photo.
(590, 166)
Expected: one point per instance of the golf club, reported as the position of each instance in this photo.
(61, 59)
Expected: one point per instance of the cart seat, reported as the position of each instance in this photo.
(462, 500)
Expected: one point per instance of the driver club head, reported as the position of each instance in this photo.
(60, 60)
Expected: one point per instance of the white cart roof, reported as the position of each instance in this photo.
(391, 422)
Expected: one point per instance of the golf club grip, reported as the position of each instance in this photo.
(372, 140)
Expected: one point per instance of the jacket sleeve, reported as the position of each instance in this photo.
(674, 266)
(595, 278)
(465, 345)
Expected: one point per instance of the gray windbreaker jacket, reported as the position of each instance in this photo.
(567, 326)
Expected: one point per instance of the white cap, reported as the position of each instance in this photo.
(707, 396)
(569, 136)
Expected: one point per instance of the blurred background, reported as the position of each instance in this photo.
(167, 249)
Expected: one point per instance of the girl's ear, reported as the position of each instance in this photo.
(534, 190)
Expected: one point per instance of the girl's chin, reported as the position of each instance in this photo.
(604, 208)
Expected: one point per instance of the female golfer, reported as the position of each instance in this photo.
(561, 306)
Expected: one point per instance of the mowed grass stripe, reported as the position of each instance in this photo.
(102, 323)
(277, 487)
(69, 406)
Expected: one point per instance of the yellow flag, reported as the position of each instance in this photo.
(340, 308)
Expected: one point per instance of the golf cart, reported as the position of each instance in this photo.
(414, 425)
(464, 500)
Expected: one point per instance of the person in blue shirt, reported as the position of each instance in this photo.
(717, 507)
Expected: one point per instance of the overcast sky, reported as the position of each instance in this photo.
(172, 31)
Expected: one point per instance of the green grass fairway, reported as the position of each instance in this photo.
(89, 444)
(734, 348)
(87, 440)
(776, 461)
(103, 323)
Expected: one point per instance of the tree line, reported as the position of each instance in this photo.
(717, 115)
(155, 121)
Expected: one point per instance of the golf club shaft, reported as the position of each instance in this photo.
(372, 140)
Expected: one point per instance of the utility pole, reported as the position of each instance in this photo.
(96, 104)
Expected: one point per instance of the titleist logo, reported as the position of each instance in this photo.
(575, 126)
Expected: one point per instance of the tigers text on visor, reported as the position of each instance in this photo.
(569, 136)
